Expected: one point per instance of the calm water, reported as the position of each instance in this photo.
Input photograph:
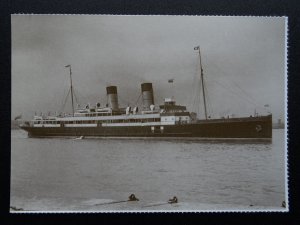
(68, 174)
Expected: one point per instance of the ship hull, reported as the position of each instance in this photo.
(238, 128)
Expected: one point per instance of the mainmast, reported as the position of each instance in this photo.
(202, 81)
(71, 88)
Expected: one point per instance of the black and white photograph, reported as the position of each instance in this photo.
(136, 113)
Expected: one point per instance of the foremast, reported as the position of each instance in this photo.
(71, 87)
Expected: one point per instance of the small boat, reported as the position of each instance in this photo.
(79, 138)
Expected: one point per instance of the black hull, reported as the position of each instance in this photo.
(243, 128)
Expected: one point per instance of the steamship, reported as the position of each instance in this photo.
(168, 120)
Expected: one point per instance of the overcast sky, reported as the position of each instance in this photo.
(243, 60)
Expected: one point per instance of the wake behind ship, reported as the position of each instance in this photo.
(166, 120)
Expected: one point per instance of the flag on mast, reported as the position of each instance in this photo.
(68, 65)
(170, 80)
(197, 48)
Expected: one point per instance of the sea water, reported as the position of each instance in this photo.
(65, 174)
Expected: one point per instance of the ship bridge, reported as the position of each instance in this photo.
(170, 112)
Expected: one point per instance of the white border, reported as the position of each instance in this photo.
(286, 209)
(286, 113)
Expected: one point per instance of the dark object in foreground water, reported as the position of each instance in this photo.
(132, 198)
(170, 201)
(173, 200)
(16, 209)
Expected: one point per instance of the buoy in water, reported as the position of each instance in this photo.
(173, 200)
(132, 198)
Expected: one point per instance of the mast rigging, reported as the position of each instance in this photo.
(202, 81)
